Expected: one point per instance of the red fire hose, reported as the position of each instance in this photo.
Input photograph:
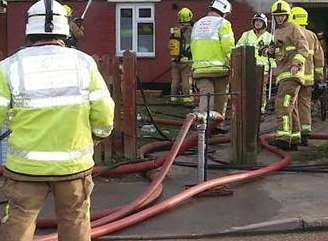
(108, 224)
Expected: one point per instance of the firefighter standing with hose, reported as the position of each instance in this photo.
(60, 105)
(259, 38)
(212, 41)
(179, 48)
(290, 51)
(314, 72)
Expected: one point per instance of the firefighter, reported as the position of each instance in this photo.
(76, 28)
(60, 105)
(212, 41)
(290, 51)
(259, 38)
(313, 73)
(180, 52)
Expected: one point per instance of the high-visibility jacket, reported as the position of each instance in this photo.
(291, 49)
(212, 41)
(58, 100)
(314, 64)
(249, 38)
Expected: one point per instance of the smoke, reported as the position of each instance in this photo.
(258, 5)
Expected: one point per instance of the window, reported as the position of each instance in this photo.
(135, 29)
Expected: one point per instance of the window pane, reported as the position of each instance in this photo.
(144, 12)
(145, 37)
(126, 28)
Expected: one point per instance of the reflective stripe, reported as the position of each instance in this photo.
(286, 75)
(98, 94)
(50, 156)
(6, 213)
(4, 101)
(209, 62)
(290, 48)
(283, 133)
(306, 128)
(227, 36)
(319, 70)
(285, 123)
(300, 58)
(103, 131)
(51, 102)
(287, 100)
(296, 135)
(309, 77)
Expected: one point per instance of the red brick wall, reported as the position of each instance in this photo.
(100, 29)
(3, 35)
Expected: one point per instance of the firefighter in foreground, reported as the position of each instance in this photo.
(60, 104)
(212, 41)
(290, 52)
(259, 38)
(179, 46)
(314, 67)
(76, 28)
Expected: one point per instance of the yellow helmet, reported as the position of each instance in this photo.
(280, 7)
(68, 10)
(185, 15)
(299, 16)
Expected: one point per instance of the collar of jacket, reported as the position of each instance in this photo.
(51, 42)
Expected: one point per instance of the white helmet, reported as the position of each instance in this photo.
(261, 16)
(47, 17)
(221, 5)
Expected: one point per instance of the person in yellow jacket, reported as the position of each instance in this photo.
(212, 41)
(259, 37)
(181, 61)
(314, 72)
(59, 105)
(291, 50)
(76, 28)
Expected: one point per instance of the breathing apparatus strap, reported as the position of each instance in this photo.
(48, 25)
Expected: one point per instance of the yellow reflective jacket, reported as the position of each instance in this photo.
(249, 38)
(291, 49)
(212, 41)
(58, 100)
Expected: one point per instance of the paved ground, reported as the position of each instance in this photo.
(283, 201)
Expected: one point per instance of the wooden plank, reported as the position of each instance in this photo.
(245, 106)
(117, 136)
(236, 104)
(129, 104)
(107, 67)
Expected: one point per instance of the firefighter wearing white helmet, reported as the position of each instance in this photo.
(179, 49)
(291, 51)
(259, 37)
(313, 72)
(61, 105)
(212, 41)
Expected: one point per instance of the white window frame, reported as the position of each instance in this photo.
(135, 20)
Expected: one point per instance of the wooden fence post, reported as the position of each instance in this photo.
(247, 79)
(129, 104)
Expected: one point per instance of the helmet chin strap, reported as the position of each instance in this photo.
(48, 25)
